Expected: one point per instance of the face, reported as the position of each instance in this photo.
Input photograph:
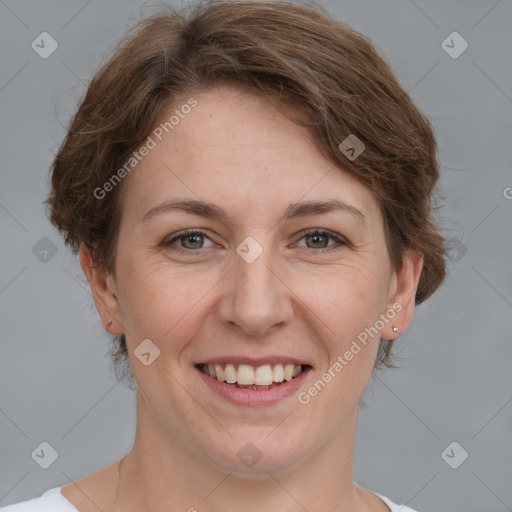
(263, 276)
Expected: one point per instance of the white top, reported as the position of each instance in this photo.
(53, 501)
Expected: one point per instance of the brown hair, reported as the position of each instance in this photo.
(298, 57)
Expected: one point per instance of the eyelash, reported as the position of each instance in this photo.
(309, 232)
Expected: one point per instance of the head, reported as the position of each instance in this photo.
(247, 106)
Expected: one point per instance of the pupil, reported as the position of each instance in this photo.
(317, 237)
(195, 238)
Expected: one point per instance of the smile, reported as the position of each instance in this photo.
(245, 376)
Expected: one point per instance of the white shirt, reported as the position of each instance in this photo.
(53, 501)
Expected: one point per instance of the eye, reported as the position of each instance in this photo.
(193, 240)
(319, 239)
(190, 240)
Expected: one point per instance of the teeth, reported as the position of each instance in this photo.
(288, 371)
(263, 376)
(219, 374)
(278, 373)
(246, 375)
(230, 374)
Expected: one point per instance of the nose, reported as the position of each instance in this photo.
(255, 299)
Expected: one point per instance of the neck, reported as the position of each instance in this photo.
(161, 473)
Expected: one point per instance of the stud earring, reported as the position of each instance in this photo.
(109, 323)
(395, 328)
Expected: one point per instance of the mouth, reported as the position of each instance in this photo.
(262, 377)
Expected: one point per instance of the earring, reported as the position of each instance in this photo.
(395, 328)
(109, 323)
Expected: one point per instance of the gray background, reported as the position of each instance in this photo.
(455, 381)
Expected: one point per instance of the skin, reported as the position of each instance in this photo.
(302, 297)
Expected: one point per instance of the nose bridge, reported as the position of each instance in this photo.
(256, 300)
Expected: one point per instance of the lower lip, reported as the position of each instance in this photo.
(253, 397)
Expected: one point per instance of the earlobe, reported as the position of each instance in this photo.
(403, 300)
(104, 291)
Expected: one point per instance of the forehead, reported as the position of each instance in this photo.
(236, 149)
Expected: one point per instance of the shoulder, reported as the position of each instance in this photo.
(51, 501)
(394, 507)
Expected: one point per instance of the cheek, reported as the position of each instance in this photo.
(162, 302)
(346, 298)
(347, 302)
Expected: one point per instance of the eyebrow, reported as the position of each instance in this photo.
(293, 210)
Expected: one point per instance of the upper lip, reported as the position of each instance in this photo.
(254, 361)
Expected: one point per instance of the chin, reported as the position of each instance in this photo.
(253, 452)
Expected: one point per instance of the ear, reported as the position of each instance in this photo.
(402, 294)
(104, 292)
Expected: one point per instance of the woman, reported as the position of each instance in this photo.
(249, 189)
